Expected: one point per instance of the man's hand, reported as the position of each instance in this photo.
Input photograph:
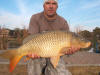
(72, 50)
(33, 56)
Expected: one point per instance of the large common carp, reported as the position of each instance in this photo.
(51, 45)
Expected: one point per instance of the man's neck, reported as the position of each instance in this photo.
(50, 18)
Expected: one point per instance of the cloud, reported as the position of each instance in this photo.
(12, 21)
(21, 19)
(91, 4)
(67, 9)
(93, 21)
(86, 25)
(21, 6)
(29, 7)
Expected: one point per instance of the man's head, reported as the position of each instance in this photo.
(50, 7)
(51, 0)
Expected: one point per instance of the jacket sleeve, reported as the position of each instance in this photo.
(65, 25)
(33, 25)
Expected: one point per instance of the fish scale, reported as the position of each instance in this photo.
(47, 44)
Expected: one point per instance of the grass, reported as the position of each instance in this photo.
(19, 70)
(75, 70)
(84, 70)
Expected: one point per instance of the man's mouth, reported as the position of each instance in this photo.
(50, 10)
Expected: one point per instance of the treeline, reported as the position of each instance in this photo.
(94, 37)
(18, 33)
(12, 38)
(17, 36)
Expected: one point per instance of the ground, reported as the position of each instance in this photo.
(75, 70)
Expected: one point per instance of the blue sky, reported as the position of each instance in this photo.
(82, 14)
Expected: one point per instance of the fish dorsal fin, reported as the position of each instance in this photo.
(54, 61)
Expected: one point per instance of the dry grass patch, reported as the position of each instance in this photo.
(84, 70)
(19, 70)
(75, 70)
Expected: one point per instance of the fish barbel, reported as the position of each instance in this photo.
(51, 45)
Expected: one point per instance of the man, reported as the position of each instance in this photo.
(47, 20)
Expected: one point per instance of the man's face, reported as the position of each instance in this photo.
(50, 8)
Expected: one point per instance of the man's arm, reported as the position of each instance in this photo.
(66, 26)
(33, 25)
(33, 29)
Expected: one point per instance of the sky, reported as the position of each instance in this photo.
(80, 14)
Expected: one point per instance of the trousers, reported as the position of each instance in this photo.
(43, 67)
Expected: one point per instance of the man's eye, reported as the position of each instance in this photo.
(47, 3)
(54, 3)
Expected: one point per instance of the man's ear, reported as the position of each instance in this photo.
(43, 5)
(57, 5)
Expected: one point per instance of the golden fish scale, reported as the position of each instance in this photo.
(46, 45)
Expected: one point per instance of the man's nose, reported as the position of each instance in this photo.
(51, 5)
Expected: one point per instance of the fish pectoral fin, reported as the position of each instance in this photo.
(14, 61)
(63, 50)
(54, 61)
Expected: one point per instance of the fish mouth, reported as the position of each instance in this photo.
(88, 44)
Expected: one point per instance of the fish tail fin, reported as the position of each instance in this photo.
(13, 56)
(14, 61)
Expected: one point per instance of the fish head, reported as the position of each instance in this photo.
(79, 41)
